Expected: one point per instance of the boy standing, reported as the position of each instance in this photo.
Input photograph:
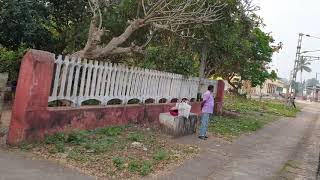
(207, 111)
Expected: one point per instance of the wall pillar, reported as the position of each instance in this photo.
(32, 91)
(218, 108)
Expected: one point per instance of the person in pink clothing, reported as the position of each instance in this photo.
(207, 106)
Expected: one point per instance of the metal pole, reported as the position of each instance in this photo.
(296, 63)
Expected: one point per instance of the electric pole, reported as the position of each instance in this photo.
(293, 77)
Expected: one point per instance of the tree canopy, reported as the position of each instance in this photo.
(224, 38)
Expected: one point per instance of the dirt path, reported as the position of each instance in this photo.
(259, 156)
(23, 166)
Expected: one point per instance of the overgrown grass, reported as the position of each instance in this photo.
(249, 116)
(243, 105)
(230, 127)
(113, 152)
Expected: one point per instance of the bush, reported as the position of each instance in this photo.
(10, 61)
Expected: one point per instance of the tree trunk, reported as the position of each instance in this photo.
(202, 64)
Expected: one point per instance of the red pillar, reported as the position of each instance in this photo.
(218, 108)
(32, 91)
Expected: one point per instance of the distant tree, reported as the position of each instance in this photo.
(312, 82)
(303, 65)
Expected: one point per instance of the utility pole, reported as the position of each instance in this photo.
(293, 77)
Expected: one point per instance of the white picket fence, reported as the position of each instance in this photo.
(78, 80)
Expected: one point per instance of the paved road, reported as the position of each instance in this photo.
(285, 149)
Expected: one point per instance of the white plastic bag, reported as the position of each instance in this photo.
(183, 109)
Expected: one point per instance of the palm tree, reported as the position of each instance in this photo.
(303, 66)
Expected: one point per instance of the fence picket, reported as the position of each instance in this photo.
(106, 81)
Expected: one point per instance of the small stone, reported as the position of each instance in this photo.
(90, 151)
(148, 129)
(145, 149)
(136, 144)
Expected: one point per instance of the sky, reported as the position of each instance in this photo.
(285, 19)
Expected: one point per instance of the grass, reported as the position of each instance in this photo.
(110, 153)
(250, 115)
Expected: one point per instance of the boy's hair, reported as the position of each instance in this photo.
(210, 87)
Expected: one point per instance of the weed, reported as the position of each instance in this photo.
(26, 146)
(111, 131)
(60, 147)
(77, 137)
(232, 127)
(146, 168)
(54, 139)
(118, 162)
(135, 136)
(77, 155)
(161, 155)
(101, 146)
(133, 166)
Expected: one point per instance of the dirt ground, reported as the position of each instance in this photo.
(283, 150)
(286, 149)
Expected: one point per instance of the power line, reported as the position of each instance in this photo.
(312, 36)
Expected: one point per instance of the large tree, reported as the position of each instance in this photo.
(178, 16)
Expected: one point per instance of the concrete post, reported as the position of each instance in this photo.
(218, 108)
(32, 91)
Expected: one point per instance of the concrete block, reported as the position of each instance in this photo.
(178, 126)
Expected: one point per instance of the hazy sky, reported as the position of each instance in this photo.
(286, 19)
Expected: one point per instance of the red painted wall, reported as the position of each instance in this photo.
(51, 120)
(32, 118)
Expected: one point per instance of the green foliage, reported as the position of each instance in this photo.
(161, 155)
(133, 166)
(111, 131)
(146, 168)
(135, 136)
(100, 146)
(312, 82)
(25, 22)
(251, 115)
(118, 162)
(55, 139)
(26, 146)
(230, 127)
(77, 155)
(60, 147)
(77, 137)
(10, 61)
(170, 59)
